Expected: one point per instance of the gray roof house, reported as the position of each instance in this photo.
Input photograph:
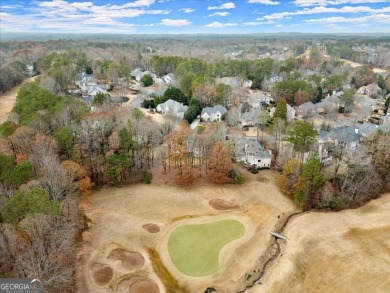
(213, 113)
(84, 81)
(252, 152)
(96, 89)
(306, 109)
(346, 137)
(329, 104)
(367, 128)
(172, 107)
(250, 118)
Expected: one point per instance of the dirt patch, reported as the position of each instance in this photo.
(102, 274)
(137, 284)
(130, 260)
(151, 228)
(263, 179)
(223, 205)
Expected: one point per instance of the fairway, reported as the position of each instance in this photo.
(194, 249)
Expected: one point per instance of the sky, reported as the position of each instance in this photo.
(195, 16)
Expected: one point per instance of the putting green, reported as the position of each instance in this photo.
(194, 249)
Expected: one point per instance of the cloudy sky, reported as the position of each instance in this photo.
(195, 16)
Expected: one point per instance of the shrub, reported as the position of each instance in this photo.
(200, 128)
(337, 203)
(254, 170)
(148, 177)
(299, 198)
(147, 80)
(237, 178)
(7, 128)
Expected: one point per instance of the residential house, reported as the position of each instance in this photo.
(95, 89)
(258, 98)
(138, 74)
(250, 151)
(367, 129)
(213, 113)
(347, 137)
(290, 113)
(371, 90)
(250, 118)
(232, 81)
(247, 83)
(85, 81)
(385, 125)
(328, 105)
(275, 78)
(306, 109)
(195, 146)
(168, 78)
(323, 138)
(173, 108)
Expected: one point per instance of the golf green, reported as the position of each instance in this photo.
(194, 249)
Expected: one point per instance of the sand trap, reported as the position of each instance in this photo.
(130, 260)
(223, 205)
(102, 274)
(151, 228)
(137, 284)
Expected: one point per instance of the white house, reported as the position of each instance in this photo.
(252, 152)
(172, 107)
(213, 113)
(168, 78)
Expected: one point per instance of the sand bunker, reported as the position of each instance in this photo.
(137, 284)
(151, 228)
(222, 205)
(130, 260)
(102, 274)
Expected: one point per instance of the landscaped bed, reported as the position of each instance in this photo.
(195, 249)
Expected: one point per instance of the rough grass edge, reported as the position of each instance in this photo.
(170, 283)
